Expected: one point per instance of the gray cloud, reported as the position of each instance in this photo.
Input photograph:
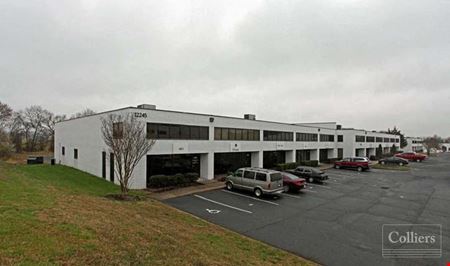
(367, 64)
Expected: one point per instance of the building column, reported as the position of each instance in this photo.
(290, 156)
(332, 153)
(257, 159)
(207, 166)
(314, 155)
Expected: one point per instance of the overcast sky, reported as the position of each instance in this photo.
(367, 64)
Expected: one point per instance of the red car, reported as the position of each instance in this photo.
(293, 182)
(358, 163)
(411, 156)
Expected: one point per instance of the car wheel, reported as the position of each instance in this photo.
(229, 185)
(258, 192)
(337, 166)
(383, 162)
(360, 169)
(310, 180)
(401, 164)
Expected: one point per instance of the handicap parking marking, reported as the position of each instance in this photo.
(222, 204)
(245, 196)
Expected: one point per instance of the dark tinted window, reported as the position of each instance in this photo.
(172, 131)
(261, 177)
(278, 136)
(326, 138)
(360, 138)
(340, 138)
(63, 151)
(239, 173)
(118, 130)
(249, 174)
(275, 177)
(75, 153)
(235, 134)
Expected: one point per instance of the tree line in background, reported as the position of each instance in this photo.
(31, 129)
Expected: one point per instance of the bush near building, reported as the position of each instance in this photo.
(159, 181)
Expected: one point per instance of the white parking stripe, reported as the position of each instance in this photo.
(245, 196)
(222, 204)
(319, 186)
(292, 196)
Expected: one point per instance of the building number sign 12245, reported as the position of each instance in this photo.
(137, 114)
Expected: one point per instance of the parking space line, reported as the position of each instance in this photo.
(245, 196)
(222, 204)
(319, 186)
(292, 196)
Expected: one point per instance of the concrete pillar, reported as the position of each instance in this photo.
(314, 155)
(257, 159)
(290, 156)
(332, 153)
(207, 166)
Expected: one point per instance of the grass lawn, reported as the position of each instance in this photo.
(59, 215)
(390, 167)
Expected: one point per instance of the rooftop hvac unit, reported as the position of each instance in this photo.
(147, 106)
(250, 117)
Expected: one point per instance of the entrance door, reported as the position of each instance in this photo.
(104, 164)
(111, 167)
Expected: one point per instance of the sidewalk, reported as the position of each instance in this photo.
(207, 186)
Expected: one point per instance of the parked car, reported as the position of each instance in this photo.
(411, 156)
(393, 160)
(258, 180)
(293, 182)
(309, 173)
(359, 163)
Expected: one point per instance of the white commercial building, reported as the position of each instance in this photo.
(414, 144)
(210, 145)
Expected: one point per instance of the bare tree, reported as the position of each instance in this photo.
(126, 138)
(29, 125)
(5, 114)
(50, 126)
(85, 112)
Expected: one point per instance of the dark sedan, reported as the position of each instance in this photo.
(393, 160)
(293, 182)
(309, 173)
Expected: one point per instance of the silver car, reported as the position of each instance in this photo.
(260, 181)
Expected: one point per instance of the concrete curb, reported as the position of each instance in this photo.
(186, 191)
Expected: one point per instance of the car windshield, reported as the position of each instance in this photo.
(275, 177)
(291, 176)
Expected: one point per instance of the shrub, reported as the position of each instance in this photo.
(312, 163)
(172, 180)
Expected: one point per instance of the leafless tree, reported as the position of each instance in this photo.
(5, 114)
(126, 138)
(29, 125)
(83, 113)
(50, 123)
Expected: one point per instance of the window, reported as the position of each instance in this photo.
(378, 139)
(236, 134)
(118, 130)
(386, 140)
(370, 139)
(360, 138)
(340, 138)
(275, 177)
(239, 173)
(278, 136)
(397, 140)
(249, 175)
(172, 131)
(326, 138)
(75, 153)
(306, 137)
(261, 177)
(392, 140)
(63, 150)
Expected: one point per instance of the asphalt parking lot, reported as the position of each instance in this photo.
(339, 222)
